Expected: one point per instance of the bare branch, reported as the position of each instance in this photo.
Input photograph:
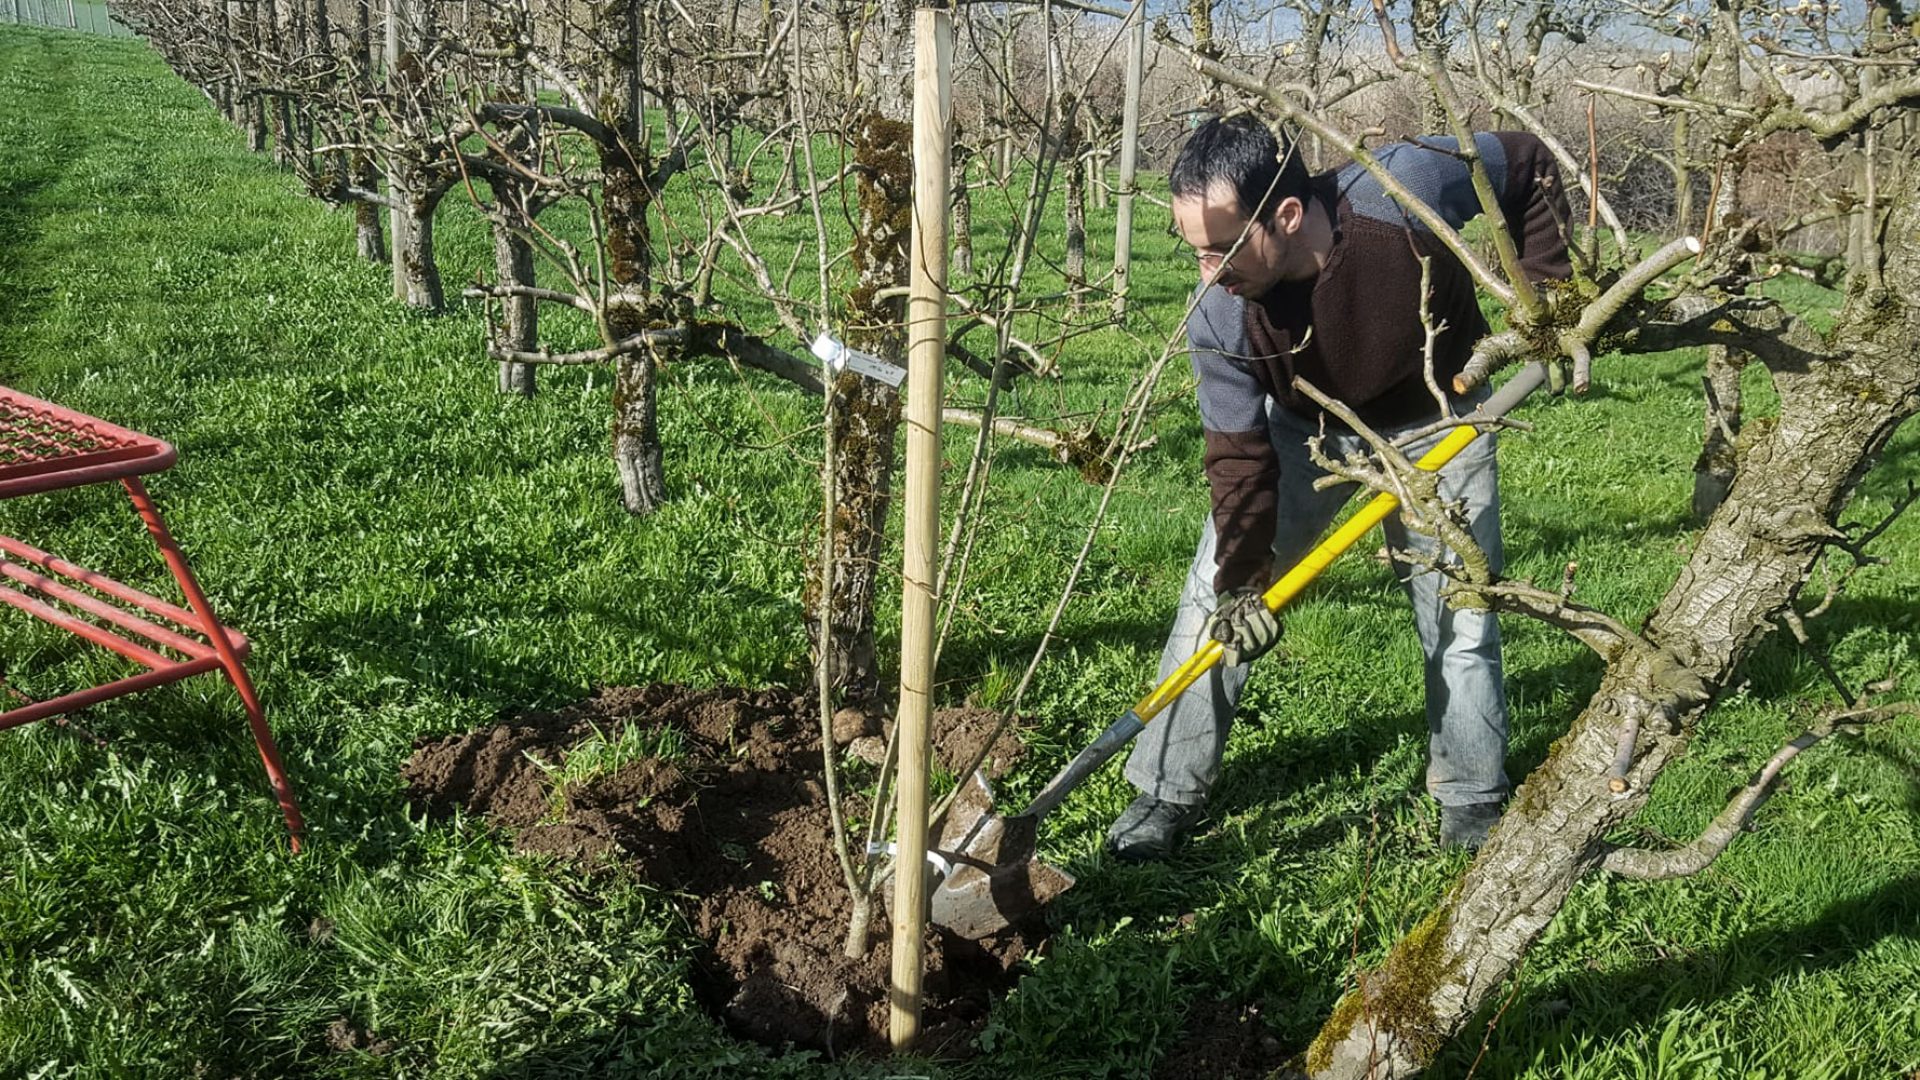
(557, 296)
(1595, 316)
(1569, 167)
(1595, 629)
(1755, 325)
(1786, 116)
(1072, 5)
(1418, 490)
(1667, 101)
(1857, 547)
(1083, 448)
(1699, 853)
(1497, 350)
(602, 355)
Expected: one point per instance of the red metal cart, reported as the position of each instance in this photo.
(44, 447)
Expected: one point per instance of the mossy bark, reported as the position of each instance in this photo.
(1429, 38)
(865, 413)
(1200, 14)
(627, 199)
(1794, 480)
(637, 452)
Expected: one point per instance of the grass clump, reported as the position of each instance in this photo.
(604, 754)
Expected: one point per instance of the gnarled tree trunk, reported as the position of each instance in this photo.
(866, 412)
(418, 270)
(520, 315)
(369, 236)
(1713, 470)
(627, 192)
(1068, 147)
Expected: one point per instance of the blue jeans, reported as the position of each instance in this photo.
(1177, 757)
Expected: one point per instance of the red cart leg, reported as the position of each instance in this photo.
(229, 659)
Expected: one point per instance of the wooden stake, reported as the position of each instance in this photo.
(926, 356)
(1129, 146)
(396, 219)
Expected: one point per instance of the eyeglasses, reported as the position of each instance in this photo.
(1212, 258)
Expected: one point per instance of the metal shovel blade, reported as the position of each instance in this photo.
(994, 881)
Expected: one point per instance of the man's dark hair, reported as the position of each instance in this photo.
(1242, 153)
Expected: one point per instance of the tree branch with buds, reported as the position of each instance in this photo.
(1700, 852)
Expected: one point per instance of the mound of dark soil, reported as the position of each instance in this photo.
(736, 824)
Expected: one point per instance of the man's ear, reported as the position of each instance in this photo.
(1289, 215)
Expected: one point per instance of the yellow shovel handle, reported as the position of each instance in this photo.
(1300, 576)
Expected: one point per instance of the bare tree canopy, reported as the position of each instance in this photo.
(1707, 149)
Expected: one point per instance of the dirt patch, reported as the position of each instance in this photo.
(345, 1037)
(726, 808)
(1223, 1039)
(961, 734)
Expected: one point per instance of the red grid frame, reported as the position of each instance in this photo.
(44, 447)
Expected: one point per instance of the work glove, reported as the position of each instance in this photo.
(1243, 626)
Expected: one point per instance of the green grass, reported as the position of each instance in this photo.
(415, 555)
(604, 753)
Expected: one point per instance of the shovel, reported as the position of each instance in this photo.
(993, 881)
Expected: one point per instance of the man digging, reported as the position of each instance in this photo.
(1319, 277)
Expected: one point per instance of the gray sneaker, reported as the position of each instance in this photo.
(1466, 826)
(1149, 829)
